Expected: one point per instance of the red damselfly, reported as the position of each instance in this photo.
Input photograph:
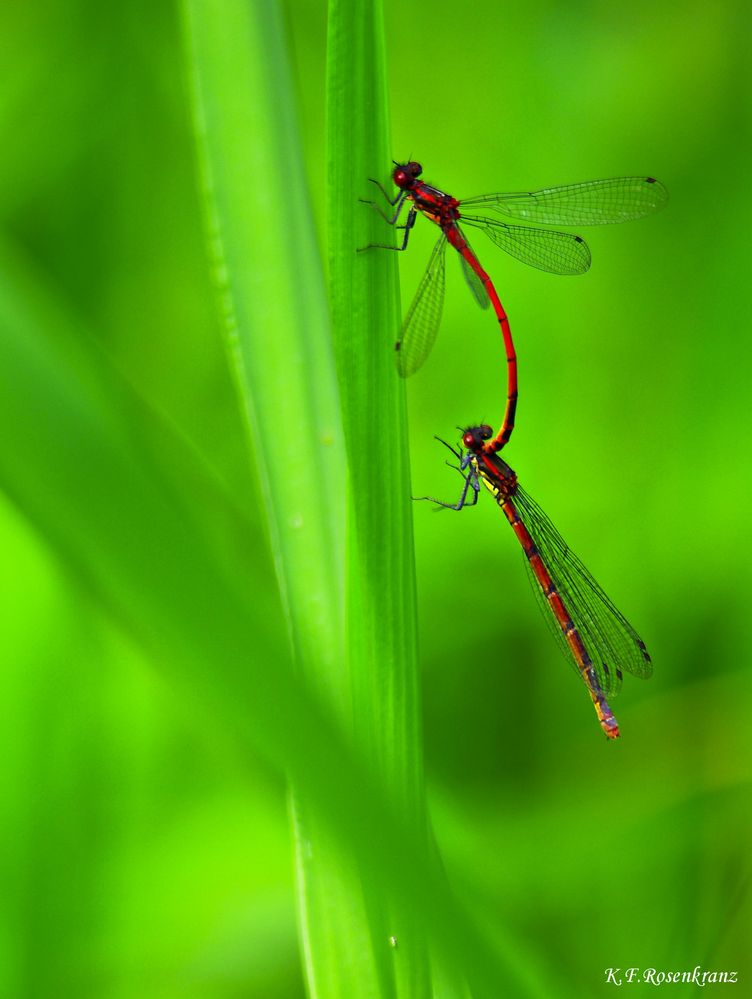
(595, 637)
(595, 202)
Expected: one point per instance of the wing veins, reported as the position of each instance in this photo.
(594, 202)
(547, 249)
(421, 324)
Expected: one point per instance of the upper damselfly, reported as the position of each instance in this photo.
(595, 202)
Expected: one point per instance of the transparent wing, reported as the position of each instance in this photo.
(610, 640)
(418, 333)
(474, 283)
(596, 202)
(547, 249)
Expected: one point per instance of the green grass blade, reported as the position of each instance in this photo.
(279, 344)
(277, 321)
(365, 314)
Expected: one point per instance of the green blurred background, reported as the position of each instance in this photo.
(140, 856)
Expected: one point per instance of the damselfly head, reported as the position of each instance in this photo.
(405, 174)
(473, 437)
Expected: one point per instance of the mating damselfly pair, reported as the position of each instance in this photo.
(594, 635)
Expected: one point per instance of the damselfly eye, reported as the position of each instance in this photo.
(399, 177)
(486, 432)
(468, 438)
(415, 169)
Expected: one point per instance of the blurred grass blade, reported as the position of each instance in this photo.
(134, 513)
(276, 317)
(365, 314)
(279, 344)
